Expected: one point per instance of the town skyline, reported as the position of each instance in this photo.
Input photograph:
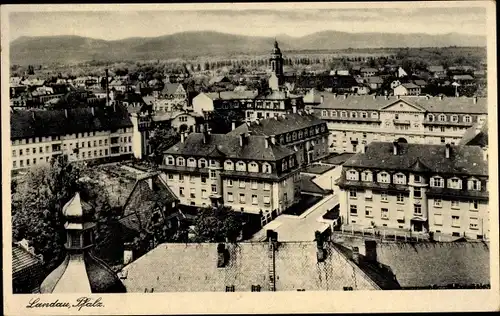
(110, 25)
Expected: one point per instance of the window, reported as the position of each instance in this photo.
(467, 119)
(170, 176)
(241, 166)
(255, 185)
(214, 188)
(442, 118)
(383, 177)
(417, 179)
(266, 168)
(203, 193)
(254, 199)
(455, 204)
(242, 184)
(192, 193)
(332, 114)
(437, 182)
(203, 163)
(454, 118)
(230, 288)
(267, 187)
(473, 223)
(455, 221)
(438, 203)
(438, 219)
(14, 164)
(181, 191)
(203, 179)
(384, 213)
(430, 117)
(352, 175)
(383, 197)
(21, 163)
(454, 183)
(474, 205)
(399, 178)
(213, 174)
(354, 210)
(343, 114)
(417, 209)
(242, 198)
(366, 176)
(267, 200)
(180, 161)
(105, 142)
(353, 193)
(27, 151)
(255, 288)
(230, 197)
(368, 211)
(253, 167)
(374, 114)
(324, 113)
(401, 198)
(40, 149)
(364, 114)
(230, 182)
(474, 185)
(354, 114)
(181, 178)
(417, 192)
(191, 162)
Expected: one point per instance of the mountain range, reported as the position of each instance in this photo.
(68, 49)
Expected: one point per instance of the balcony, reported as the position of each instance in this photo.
(401, 122)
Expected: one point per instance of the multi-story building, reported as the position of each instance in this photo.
(417, 187)
(81, 134)
(246, 172)
(358, 120)
(172, 95)
(301, 132)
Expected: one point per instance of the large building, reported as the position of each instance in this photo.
(301, 132)
(354, 121)
(417, 187)
(246, 172)
(81, 133)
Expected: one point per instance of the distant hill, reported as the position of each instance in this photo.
(67, 49)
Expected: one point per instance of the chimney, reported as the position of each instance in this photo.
(386, 97)
(149, 180)
(485, 153)
(183, 137)
(374, 97)
(441, 97)
(399, 97)
(107, 88)
(371, 250)
(335, 95)
(93, 111)
(294, 109)
(448, 151)
(33, 115)
(273, 139)
(322, 98)
(218, 93)
(209, 130)
(128, 253)
(266, 141)
(474, 100)
(271, 235)
(205, 137)
(363, 148)
(202, 128)
(242, 139)
(248, 123)
(345, 96)
(320, 251)
(395, 148)
(355, 254)
(66, 113)
(233, 125)
(222, 255)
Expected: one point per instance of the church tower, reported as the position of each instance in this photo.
(276, 79)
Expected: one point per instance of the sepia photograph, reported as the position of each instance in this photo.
(339, 149)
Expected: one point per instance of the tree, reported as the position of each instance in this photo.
(160, 140)
(38, 201)
(217, 225)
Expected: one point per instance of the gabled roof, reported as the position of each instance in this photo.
(464, 160)
(229, 145)
(368, 69)
(22, 260)
(232, 95)
(36, 123)
(435, 68)
(476, 135)
(278, 125)
(411, 104)
(308, 186)
(463, 77)
(410, 85)
(170, 88)
(375, 79)
(193, 267)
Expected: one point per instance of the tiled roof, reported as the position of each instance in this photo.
(279, 125)
(444, 105)
(193, 267)
(467, 160)
(435, 68)
(476, 136)
(232, 95)
(276, 95)
(307, 185)
(420, 82)
(441, 263)
(34, 123)
(369, 70)
(463, 77)
(22, 259)
(222, 145)
(410, 85)
(323, 81)
(375, 79)
(170, 88)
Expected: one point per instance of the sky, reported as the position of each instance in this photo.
(157, 21)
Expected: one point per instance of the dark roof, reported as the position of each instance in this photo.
(23, 261)
(476, 136)
(278, 125)
(467, 160)
(193, 267)
(148, 192)
(338, 159)
(410, 85)
(317, 168)
(436, 263)
(308, 186)
(369, 70)
(170, 88)
(35, 123)
(435, 68)
(375, 79)
(222, 145)
(321, 81)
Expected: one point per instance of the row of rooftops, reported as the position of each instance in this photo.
(251, 95)
(327, 100)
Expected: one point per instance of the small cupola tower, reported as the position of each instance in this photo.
(81, 271)
(276, 60)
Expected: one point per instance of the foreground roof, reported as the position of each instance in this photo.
(476, 135)
(223, 145)
(278, 125)
(468, 160)
(37, 123)
(193, 268)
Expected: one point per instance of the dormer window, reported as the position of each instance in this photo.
(374, 114)
(430, 117)
(253, 167)
(170, 160)
(354, 114)
(442, 118)
(383, 177)
(352, 175)
(266, 168)
(474, 185)
(228, 165)
(454, 118)
(294, 135)
(191, 162)
(399, 178)
(203, 163)
(364, 114)
(241, 166)
(467, 119)
(333, 113)
(284, 165)
(437, 182)
(324, 113)
(343, 114)
(455, 183)
(366, 176)
(180, 161)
